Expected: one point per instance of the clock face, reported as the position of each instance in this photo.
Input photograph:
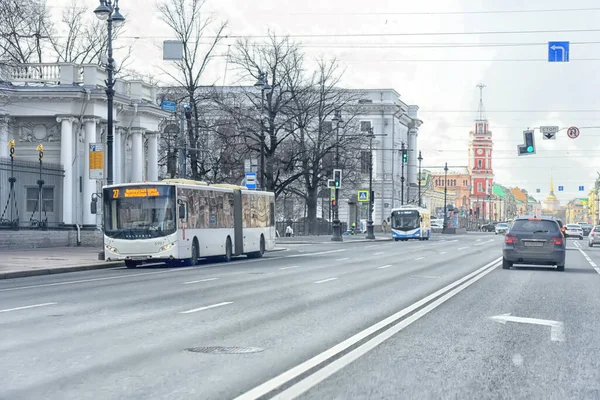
(480, 151)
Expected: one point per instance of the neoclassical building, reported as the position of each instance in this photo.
(63, 107)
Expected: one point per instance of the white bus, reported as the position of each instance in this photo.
(411, 222)
(184, 220)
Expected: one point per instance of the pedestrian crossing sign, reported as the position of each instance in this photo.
(363, 196)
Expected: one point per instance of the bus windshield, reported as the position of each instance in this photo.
(139, 212)
(405, 220)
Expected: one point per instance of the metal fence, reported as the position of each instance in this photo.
(25, 206)
(306, 228)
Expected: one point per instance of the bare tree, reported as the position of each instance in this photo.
(184, 19)
(23, 30)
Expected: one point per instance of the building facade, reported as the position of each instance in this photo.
(63, 108)
(481, 170)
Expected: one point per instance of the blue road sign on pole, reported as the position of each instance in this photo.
(581, 188)
(251, 180)
(561, 188)
(558, 51)
(363, 196)
(169, 106)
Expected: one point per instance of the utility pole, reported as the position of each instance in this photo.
(182, 143)
(404, 155)
(370, 232)
(445, 197)
(336, 226)
(420, 160)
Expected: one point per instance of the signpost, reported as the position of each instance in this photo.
(561, 188)
(558, 51)
(251, 180)
(169, 106)
(96, 161)
(363, 196)
(549, 132)
(573, 132)
(581, 188)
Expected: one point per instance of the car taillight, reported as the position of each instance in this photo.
(510, 239)
(557, 241)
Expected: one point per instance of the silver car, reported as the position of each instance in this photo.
(573, 230)
(501, 228)
(594, 236)
(534, 240)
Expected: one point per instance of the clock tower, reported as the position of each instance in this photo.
(480, 165)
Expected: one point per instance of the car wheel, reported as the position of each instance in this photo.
(560, 267)
(131, 263)
(580, 237)
(506, 264)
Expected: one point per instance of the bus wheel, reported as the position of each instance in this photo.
(228, 250)
(131, 263)
(195, 253)
(261, 252)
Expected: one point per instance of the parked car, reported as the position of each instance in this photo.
(594, 236)
(574, 230)
(534, 240)
(502, 228)
(488, 227)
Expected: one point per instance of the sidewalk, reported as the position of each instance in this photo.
(361, 237)
(56, 260)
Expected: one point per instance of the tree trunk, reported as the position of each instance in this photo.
(311, 205)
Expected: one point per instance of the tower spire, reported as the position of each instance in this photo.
(551, 184)
(481, 110)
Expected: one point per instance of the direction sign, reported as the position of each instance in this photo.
(573, 132)
(549, 132)
(561, 188)
(581, 188)
(96, 161)
(363, 196)
(558, 51)
(251, 180)
(168, 105)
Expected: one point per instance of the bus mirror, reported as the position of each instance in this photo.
(181, 211)
(94, 206)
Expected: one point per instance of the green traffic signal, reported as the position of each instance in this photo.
(530, 149)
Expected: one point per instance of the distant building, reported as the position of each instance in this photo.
(576, 211)
(551, 203)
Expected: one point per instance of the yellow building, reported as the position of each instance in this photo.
(551, 204)
(593, 207)
(576, 211)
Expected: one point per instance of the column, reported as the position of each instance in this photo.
(4, 151)
(137, 155)
(152, 175)
(66, 159)
(89, 185)
(117, 157)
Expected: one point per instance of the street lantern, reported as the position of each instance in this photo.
(420, 160)
(108, 10)
(263, 84)
(336, 226)
(370, 230)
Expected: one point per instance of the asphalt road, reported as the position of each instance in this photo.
(358, 320)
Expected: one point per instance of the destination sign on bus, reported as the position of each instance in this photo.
(131, 192)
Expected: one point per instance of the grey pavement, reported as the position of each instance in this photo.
(220, 329)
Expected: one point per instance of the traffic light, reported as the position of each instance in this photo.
(529, 144)
(337, 178)
(404, 156)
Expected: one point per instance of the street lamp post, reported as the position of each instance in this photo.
(263, 84)
(445, 196)
(420, 160)
(336, 226)
(403, 150)
(370, 232)
(108, 10)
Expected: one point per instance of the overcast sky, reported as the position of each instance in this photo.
(523, 89)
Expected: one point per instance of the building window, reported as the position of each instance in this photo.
(365, 161)
(479, 187)
(479, 164)
(33, 199)
(365, 126)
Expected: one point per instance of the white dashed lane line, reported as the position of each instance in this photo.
(27, 307)
(326, 280)
(193, 310)
(384, 267)
(589, 260)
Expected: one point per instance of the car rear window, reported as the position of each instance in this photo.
(523, 225)
(573, 227)
(597, 228)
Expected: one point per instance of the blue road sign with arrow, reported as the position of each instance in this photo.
(561, 188)
(581, 188)
(558, 51)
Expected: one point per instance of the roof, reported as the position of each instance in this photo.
(519, 195)
(498, 190)
(439, 171)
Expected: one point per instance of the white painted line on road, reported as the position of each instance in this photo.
(443, 252)
(201, 280)
(27, 307)
(425, 277)
(371, 246)
(343, 259)
(206, 307)
(589, 260)
(517, 360)
(478, 240)
(326, 280)
(378, 254)
(482, 243)
(315, 254)
(320, 375)
(384, 267)
(294, 266)
(557, 331)
(463, 248)
(419, 258)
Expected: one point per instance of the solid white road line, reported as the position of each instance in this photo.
(326, 280)
(371, 246)
(419, 258)
(294, 266)
(27, 307)
(462, 248)
(206, 307)
(201, 280)
(589, 260)
(343, 259)
(378, 254)
(291, 374)
(443, 252)
(384, 267)
(315, 254)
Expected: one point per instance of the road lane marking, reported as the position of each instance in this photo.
(201, 280)
(371, 246)
(206, 307)
(462, 248)
(315, 254)
(482, 243)
(557, 329)
(294, 266)
(326, 280)
(378, 254)
(517, 360)
(589, 260)
(290, 375)
(384, 267)
(478, 240)
(443, 252)
(343, 259)
(425, 277)
(419, 258)
(27, 307)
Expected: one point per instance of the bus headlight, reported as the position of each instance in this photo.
(112, 249)
(167, 247)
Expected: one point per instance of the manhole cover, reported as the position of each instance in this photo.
(224, 350)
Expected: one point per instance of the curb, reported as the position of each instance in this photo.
(345, 241)
(60, 270)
